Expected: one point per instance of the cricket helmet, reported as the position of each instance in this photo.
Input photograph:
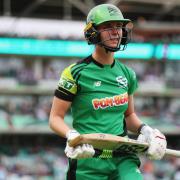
(101, 14)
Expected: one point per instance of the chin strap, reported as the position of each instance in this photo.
(115, 49)
(110, 49)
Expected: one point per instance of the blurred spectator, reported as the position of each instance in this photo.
(177, 174)
(3, 172)
(148, 170)
(26, 75)
(49, 71)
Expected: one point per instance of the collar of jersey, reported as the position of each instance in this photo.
(102, 65)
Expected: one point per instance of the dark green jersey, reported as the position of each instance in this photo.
(99, 95)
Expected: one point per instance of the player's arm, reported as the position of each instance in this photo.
(64, 94)
(133, 123)
(57, 114)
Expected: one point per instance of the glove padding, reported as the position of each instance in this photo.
(78, 152)
(156, 140)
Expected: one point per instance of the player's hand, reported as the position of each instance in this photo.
(81, 151)
(156, 140)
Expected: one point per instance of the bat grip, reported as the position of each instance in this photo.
(104, 154)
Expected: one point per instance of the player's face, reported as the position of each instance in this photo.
(111, 33)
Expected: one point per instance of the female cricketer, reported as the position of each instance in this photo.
(99, 90)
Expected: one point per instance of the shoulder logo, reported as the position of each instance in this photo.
(66, 84)
(122, 81)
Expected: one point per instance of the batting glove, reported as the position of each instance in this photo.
(156, 140)
(78, 152)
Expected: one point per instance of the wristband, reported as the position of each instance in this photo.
(70, 131)
(141, 126)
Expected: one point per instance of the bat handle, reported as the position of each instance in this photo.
(171, 152)
(74, 142)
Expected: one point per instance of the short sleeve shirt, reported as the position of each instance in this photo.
(99, 95)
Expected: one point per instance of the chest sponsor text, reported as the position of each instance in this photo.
(117, 100)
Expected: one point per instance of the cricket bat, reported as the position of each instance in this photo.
(102, 141)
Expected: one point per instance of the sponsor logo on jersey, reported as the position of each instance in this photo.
(66, 83)
(122, 81)
(117, 100)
